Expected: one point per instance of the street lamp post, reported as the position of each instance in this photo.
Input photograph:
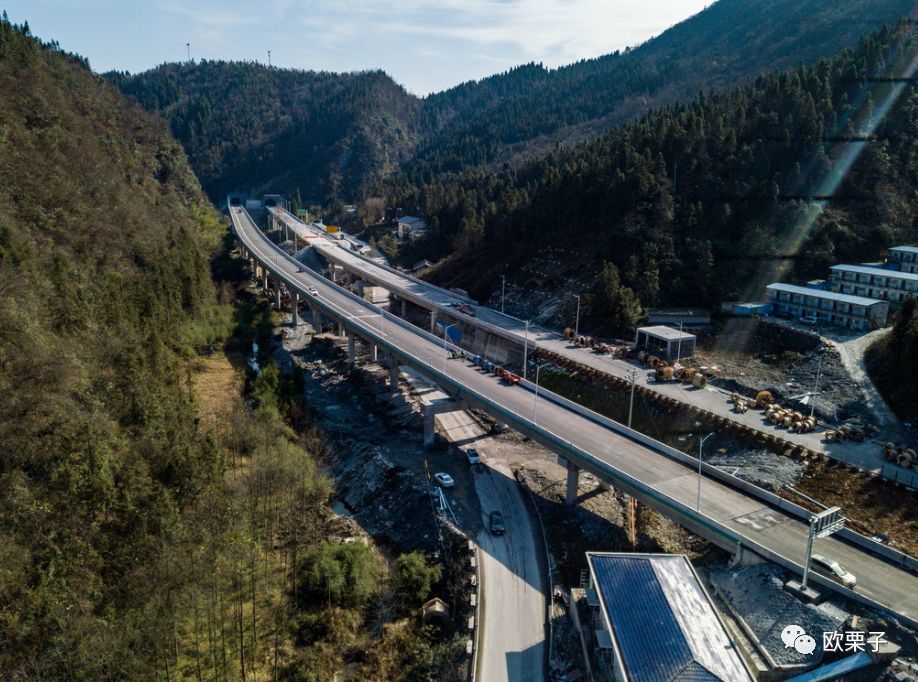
(577, 320)
(525, 349)
(503, 287)
(679, 345)
(700, 446)
(816, 387)
(535, 400)
(633, 375)
(445, 349)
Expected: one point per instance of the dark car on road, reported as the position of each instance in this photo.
(497, 523)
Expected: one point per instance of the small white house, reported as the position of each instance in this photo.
(410, 227)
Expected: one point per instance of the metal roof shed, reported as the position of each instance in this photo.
(663, 625)
(665, 341)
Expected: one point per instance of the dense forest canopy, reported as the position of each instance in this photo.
(249, 127)
(104, 286)
(692, 203)
(333, 136)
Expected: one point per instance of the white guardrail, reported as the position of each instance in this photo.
(714, 530)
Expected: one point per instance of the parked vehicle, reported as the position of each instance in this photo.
(497, 523)
(445, 480)
(467, 309)
(313, 291)
(833, 571)
(471, 454)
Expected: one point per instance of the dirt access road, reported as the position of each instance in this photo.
(513, 607)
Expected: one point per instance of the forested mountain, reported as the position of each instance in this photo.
(701, 202)
(247, 126)
(104, 285)
(530, 108)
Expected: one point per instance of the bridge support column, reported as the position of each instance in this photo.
(393, 373)
(351, 349)
(277, 295)
(573, 477)
(253, 268)
(341, 330)
(404, 309)
(295, 304)
(433, 321)
(264, 279)
(429, 428)
(374, 352)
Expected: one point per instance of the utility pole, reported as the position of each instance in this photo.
(269, 58)
(700, 446)
(577, 320)
(188, 47)
(633, 375)
(503, 285)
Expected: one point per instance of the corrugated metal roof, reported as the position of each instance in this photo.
(882, 272)
(664, 332)
(665, 629)
(821, 293)
(905, 249)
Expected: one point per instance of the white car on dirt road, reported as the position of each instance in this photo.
(445, 480)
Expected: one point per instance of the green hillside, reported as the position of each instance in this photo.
(104, 287)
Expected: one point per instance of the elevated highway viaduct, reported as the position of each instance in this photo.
(733, 514)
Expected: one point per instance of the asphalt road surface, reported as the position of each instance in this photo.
(779, 532)
(513, 581)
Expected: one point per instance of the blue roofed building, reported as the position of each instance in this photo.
(653, 621)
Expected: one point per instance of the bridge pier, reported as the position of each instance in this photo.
(374, 352)
(404, 309)
(264, 279)
(429, 428)
(317, 319)
(295, 304)
(393, 373)
(341, 330)
(573, 478)
(277, 295)
(351, 349)
(433, 322)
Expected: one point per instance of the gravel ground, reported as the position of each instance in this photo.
(762, 467)
(757, 594)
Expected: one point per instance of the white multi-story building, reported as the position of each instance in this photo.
(884, 283)
(828, 307)
(905, 257)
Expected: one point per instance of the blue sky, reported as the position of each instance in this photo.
(426, 45)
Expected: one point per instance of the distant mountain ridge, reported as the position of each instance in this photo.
(247, 126)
